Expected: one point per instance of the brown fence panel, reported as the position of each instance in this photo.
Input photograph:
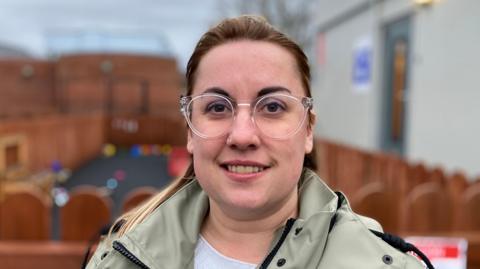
(87, 211)
(136, 197)
(26, 215)
(428, 209)
(375, 201)
(470, 209)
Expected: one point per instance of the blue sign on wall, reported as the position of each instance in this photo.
(362, 66)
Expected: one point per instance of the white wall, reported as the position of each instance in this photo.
(343, 115)
(445, 89)
(443, 120)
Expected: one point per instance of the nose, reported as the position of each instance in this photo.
(243, 133)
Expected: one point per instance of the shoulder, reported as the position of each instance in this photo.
(370, 223)
(354, 234)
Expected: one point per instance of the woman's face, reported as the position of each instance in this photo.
(244, 171)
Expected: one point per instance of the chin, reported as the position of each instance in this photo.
(250, 202)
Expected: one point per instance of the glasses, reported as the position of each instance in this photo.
(276, 115)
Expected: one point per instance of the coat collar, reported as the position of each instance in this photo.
(167, 238)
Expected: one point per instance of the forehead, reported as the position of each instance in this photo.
(245, 67)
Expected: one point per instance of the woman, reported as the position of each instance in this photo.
(250, 198)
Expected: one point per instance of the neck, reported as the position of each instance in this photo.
(246, 239)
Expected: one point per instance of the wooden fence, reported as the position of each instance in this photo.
(406, 198)
(410, 197)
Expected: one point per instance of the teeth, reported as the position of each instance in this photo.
(244, 169)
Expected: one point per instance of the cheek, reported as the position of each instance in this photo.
(289, 154)
(190, 146)
(302, 141)
(296, 149)
(205, 152)
(205, 156)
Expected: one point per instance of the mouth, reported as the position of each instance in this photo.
(244, 168)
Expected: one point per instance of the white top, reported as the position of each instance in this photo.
(206, 257)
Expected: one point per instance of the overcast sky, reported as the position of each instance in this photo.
(26, 24)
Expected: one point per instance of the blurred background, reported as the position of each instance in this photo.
(90, 124)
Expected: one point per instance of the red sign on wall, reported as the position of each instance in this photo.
(443, 252)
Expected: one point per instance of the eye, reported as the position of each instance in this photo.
(271, 106)
(217, 107)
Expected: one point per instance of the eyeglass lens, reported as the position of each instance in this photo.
(276, 115)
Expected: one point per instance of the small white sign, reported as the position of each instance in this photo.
(443, 252)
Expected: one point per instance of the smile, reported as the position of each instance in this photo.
(244, 169)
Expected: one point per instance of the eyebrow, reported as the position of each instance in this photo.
(261, 93)
(217, 90)
(273, 89)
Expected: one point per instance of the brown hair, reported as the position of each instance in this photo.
(240, 28)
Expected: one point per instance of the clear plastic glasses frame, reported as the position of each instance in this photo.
(275, 115)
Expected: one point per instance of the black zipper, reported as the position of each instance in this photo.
(286, 230)
(125, 252)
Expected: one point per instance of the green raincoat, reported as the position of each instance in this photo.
(326, 234)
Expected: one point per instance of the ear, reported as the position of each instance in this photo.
(311, 124)
(190, 142)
